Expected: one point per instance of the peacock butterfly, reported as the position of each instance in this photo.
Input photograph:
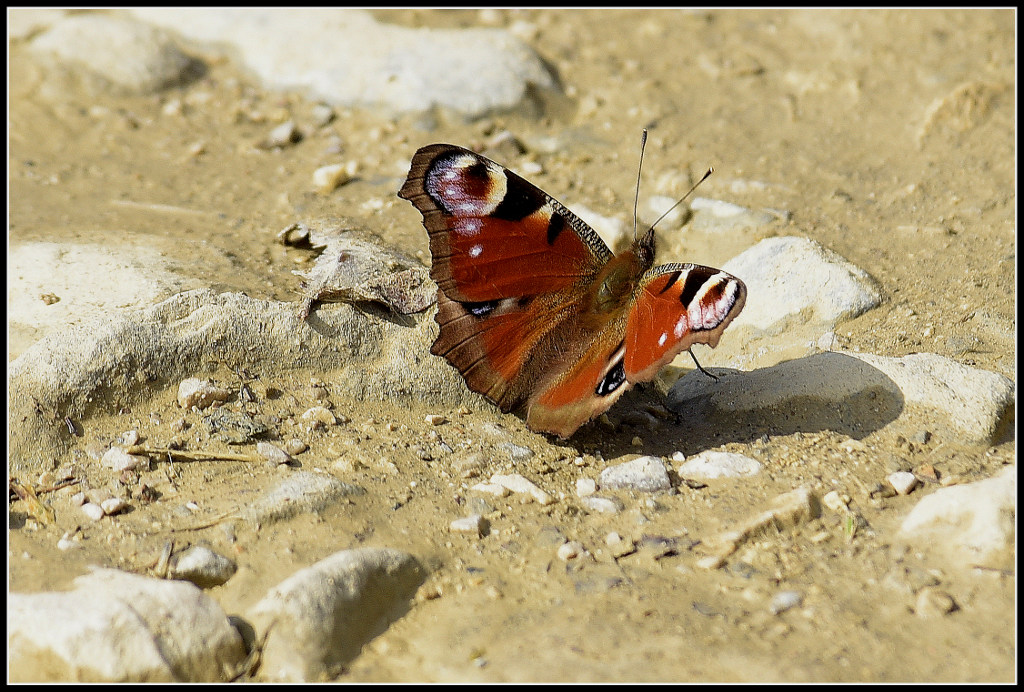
(534, 309)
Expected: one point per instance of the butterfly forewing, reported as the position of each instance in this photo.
(494, 235)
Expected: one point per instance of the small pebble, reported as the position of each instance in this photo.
(784, 600)
(932, 602)
(319, 415)
(322, 114)
(585, 487)
(902, 481)
(711, 562)
(606, 505)
(435, 419)
(519, 484)
(569, 550)
(129, 438)
(491, 489)
(114, 505)
(194, 392)
(470, 465)
(67, 542)
(272, 453)
(93, 511)
(474, 524)
(921, 437)
(619, 546)
(295, 446)
(202, 566)
(120, 460)
(646, 474)
(281, 136)
(327, 179)
(835, 501)
(517, 452)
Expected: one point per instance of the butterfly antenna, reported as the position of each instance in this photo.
(639, 168)
(696, 362)
(681, 199)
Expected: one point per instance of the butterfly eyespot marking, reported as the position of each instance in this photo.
(713, 302)
(462, 184)
(612, 381)
(481, 309)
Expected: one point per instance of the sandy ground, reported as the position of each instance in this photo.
(890, 137)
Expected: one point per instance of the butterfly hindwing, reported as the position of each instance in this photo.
(673, 307)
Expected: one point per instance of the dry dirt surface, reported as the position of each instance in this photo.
(887, 136)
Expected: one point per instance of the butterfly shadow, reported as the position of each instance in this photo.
(825, 391)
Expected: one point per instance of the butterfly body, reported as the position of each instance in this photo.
(534, 309)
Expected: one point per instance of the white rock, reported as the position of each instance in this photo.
(319, 414)
(712, 215)
(835, 501)
(491, 489)
(200, 393)
(604, 505)
(300, 492)
(826, 289)
(135, 57)
(903, 482)
(569, 550)
(318, 619)
(974, 403)
(784, 600)
(712, 464)
(201, 566)
(973, 523)
(846, 388)
(93, 511)
(114, 505)
(784, 512)
(474, 524)
(119, 460)
(519, 484)
(647, 474)
(272, 453)
(585, 487)
(91, 281)
(345, 57)
(328, 178)
(183, 335)
(120, 627)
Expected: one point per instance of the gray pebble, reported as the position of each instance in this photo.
(317, 620)
(607, 505)
(474, 524)
(198, 393)
(301, 492)
(273, 453)
(130, 56)
(202, 567)
(647, 474)
(784, 600)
